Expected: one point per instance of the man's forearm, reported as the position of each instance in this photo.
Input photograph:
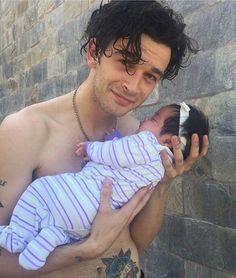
(61, 257)
(147, 224)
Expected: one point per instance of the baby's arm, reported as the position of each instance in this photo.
(124, 152)
(81, 149)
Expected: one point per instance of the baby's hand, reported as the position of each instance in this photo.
(81, 149)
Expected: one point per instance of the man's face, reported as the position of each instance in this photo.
(118, 91)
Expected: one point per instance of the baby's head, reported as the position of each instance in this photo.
(177, 119)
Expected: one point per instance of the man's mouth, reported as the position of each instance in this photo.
(122, 100)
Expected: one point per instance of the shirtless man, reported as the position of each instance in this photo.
(130, 47)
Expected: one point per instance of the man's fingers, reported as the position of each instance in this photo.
(205, 146)
(170, 172)
(105, 197)
(178, 155)
(194, 152)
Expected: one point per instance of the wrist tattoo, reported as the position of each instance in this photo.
(3, 183)
(121, 265)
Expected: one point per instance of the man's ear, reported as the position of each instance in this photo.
(92, 60)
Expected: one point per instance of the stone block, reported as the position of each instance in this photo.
(47, 47)
(209, 201)
(22, 7)
(69, 81)
(39, 72)
(200, 242)
(8, 70)
(194, 270)
(46, 90)
(21, 44)
(55, 19)
(66, 35)
(225, 70)
(1, 73)
(185, 7)
(82, 73)
(3, 89)
(6, 6)
(31, 95)
(47, 7)
(56, 65)
(73, 58)
(221, 111)
(73, 9)
(223, 157)
(35, 34)
(31, 16)
(228, 249)
(197, 80)
(34, 56)
(215, 25)
(157, 263)
(12, 103)
(12, 84)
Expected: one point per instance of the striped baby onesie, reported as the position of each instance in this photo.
(56, 210)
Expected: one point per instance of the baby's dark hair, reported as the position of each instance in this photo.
(128, 20)
(197, 122)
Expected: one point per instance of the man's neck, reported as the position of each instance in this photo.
(94, 120)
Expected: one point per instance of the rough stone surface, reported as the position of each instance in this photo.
(39, 59)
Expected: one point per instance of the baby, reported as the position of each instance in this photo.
(56, 210)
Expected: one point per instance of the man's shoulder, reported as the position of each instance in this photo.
(127, 124)
(29, 121)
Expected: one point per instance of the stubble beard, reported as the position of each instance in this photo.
(101, 100)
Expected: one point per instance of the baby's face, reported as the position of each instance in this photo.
(155, 123)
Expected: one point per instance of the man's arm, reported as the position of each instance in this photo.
(148, 222)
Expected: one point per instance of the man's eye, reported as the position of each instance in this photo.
(152, 77)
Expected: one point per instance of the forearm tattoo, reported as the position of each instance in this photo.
(2, 182)
(121, 265)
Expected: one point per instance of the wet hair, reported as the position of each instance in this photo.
(197, 122)
(128, 20)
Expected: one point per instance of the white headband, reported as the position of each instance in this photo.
(184, 114)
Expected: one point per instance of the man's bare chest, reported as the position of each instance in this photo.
(58, 155)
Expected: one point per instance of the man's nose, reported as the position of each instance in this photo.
(133, 82)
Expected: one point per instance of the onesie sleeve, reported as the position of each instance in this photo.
(128, 151)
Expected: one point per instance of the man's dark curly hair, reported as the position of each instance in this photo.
(129, 20)
(197, 123)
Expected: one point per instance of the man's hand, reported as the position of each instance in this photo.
(180, 165)
(109, 223)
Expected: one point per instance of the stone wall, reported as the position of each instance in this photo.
(199, 235)
(39, 50)
(39, 59)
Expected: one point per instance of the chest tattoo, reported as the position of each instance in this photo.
(120, 266)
